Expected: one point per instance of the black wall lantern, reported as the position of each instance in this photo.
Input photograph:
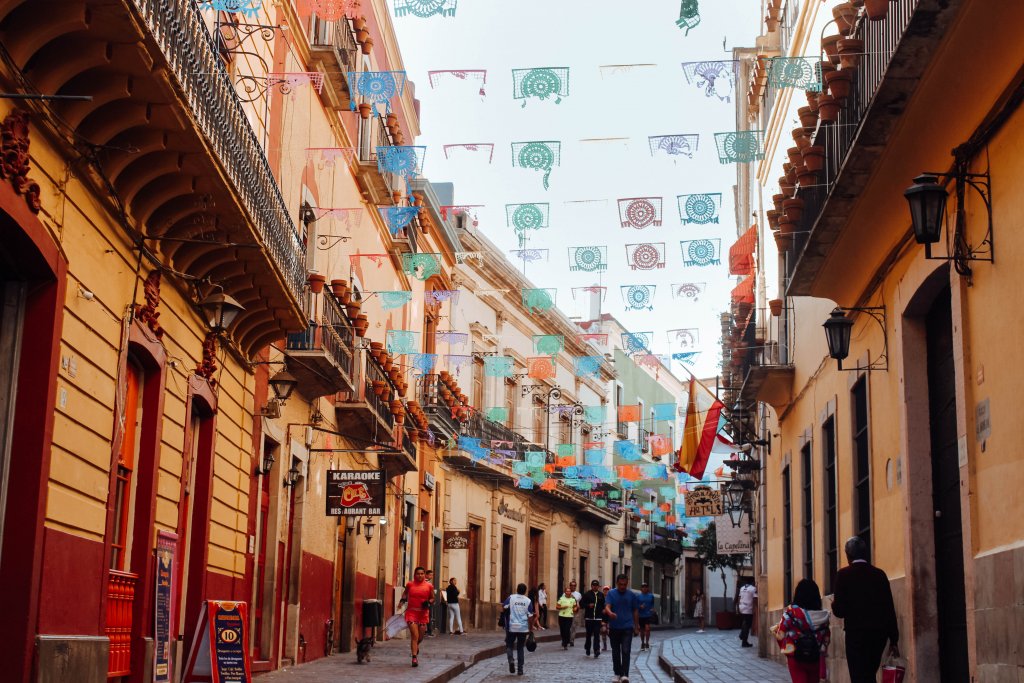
(838, 329)
(219, 311)
(283, 384)
(268, 462)
(293, 475)
(927, 199)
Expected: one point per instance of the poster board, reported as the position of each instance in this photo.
(163, 606)
(354, 493)
(220, 652)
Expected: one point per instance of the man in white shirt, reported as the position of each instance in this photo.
(518, 623)
(745, 607)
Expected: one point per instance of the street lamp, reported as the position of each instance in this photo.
(369, 526)
(283, 383)
(837, 334)
(220, 310)
(927, 200)
(350, 523)
(268, 462)
(735, 496)
(293, 475)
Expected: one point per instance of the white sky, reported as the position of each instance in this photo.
(584, 35)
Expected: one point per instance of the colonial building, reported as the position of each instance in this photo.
(905, 443)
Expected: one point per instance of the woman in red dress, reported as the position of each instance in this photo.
(419, 593)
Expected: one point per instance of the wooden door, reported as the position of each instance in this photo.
(473, 572)
(533, 578)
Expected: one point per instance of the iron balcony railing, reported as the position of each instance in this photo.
(645, 443)
(332, 334)
(338, 35)
(622, 429)
(480, 427)
(428, 388)
(178, 28)
(881, 38)
(378, 405)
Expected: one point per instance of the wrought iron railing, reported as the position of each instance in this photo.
(178, 28)
(332, 334)
(881, 38)
(118, 627)
(622, 429)
(428, 388)
(480, 427)
(378, 404)
(645, 443)
(338, 35)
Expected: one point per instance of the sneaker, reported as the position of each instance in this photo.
(748, 645)
(624, 679)
(519, 673)
(588, 653)
(700, 630)
(617, 679)
(415, 662)
(511, 668)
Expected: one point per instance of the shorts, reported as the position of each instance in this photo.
(417, 616)
(646, 621)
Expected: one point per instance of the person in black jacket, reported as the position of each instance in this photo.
(863, 599)
(593, 607)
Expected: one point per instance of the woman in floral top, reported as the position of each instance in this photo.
(804, 634)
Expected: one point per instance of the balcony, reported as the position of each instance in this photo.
(760, 365)
(632, 529)
(402, 461)
(622, 429)
(663, 547)
(645, 444)
(173, 143)
(379, 187)
(898, 51)
(428, 389)
(322, 358)
(333, 51)
(365, 410)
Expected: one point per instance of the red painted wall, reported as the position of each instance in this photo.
(315, 603)
(72, 584)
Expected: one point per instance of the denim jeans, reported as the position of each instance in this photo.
(622, 643)
(593, 635)
(515, 641)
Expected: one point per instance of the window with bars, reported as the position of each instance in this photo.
(861, 463)
(807, 500)
(828, 450)
(787, 537)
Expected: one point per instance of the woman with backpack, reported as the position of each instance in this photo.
(804, 634)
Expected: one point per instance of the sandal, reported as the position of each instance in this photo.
(415, 662)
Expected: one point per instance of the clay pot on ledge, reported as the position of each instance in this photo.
(814, 158)
(379, 386)
(812, 99)
(784, 241)
(876, 9)
(830, 44)
(362, 35)
(773, 217)
(826, 68)
(352, 309)
(391, 120)
(365, 110)
(845, 14)
(839, 84)
(368, 46)
(801, 138)
(850, 51)
(361, 325)
(316, 282)
(775, 305)
(340, 290)
(396, 196)
(787, 226)
(794, 155)
(807, 177)
(808, 118)
(828, 108)
(777, 200)
(794, 209)
(773, 19)
(788, 190)
(358, 23)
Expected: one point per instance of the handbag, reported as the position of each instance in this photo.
(894, 670)
(531, 642)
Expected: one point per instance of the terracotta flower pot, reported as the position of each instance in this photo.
(361, 325)
(812, 99)
(828, 108)
(839, 84)
(826, 68)
(378, 386)
(368, 46)
(773, 19)
(352, 308)
(362, 35)
(814, 157)
(784, 241)
(808, 118)
(340, 288)
(801, 138)
(794, 155)
(807, 177)
(776, 307)
(400, 420)
(876, 9)
(365, 110)
(850, 51)
(788, 189)
(316, 282)
(794, 209)
(358, 23)
(773, 217)
(845, 14)
(777, 201)
(787, 226)
(830, 44)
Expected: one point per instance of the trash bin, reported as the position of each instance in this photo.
(373, 613)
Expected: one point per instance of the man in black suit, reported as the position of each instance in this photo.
(863, 599)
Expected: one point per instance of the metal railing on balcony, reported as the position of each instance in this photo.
(118, 627)
(332, 333)
(622, 429)
(881, 38)
(480, 427)
(178, 28)
(428, 389)
(645, 440)
(336, 35)
(376, 379)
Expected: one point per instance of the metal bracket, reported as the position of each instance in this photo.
(877, 313)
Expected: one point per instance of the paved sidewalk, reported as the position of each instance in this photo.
(716, 656)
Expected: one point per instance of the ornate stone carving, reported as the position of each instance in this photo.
(14, 159)
(148, 313)
(208, 367)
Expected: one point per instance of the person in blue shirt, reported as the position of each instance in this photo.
(622, 609)
(646, 602)
(518, 623)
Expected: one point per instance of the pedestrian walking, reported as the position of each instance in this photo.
(592, 605)
(452, 593)
(624, 622)
(604, 620)
(745, 608)
(646, 612)
(419, 594)
(542, 606)
(863, 600)
(572, 631)
(803, 634)
(430, 621)
(520, 612)
(698, 609)
(567, 608)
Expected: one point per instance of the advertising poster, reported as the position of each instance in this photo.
(353, 493)
(228, 639)
(163, 606)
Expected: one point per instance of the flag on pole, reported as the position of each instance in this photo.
(704, 419)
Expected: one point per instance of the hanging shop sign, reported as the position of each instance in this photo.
(456, 539)
(163, 612)
(355, 493)
(703, 502)
(733, 540)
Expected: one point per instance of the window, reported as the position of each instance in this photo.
(510, 402)
(808, 510)
(584, 579)
(647, 576)
(828, 446)
(479, 395)
(621, 428)
(538, 419)
(861, 463)
(787, 538)
(124, 482)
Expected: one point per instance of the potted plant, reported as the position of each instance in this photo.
(378, 386)
(777, 200)
(876, 9)
(773, 18)
(850, 51)
(361, 324)
(800, 137)
(830, 44)
(808, 118)
(352, 309)
(773, 217)
(340, 290)
(845, 14)
(365, 110)
(316, 282)
(794, 209)
(706, 545)
(775, 305)
(828, 108)
(392, 122)
(814, 157)
(839, 83)
(788, 188)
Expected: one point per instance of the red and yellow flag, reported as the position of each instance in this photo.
(703, 422)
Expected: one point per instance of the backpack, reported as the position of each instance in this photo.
(503, 619)
(806, 648)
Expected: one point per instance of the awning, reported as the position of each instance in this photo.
(741, 254)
